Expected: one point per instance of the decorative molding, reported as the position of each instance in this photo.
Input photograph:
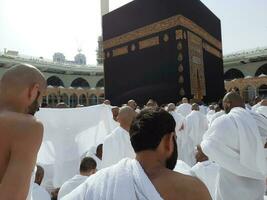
(179, 46)
(149, 42)
(182, 92)
(160, 26)
(133, 47)
(179, 34)
(196, 65)
(212, 50)
(181, 68)
(120, 51)
(166, 37)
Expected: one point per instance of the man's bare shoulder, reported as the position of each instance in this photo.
(187, 187)
(20, 125)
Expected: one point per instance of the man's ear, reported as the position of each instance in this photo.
(168, 143)
(33, 92)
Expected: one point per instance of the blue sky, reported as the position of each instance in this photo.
(42, 27)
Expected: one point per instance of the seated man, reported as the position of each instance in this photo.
(38, 192)
(150, 175)
(87, 168)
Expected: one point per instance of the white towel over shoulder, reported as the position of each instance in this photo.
(125, 180)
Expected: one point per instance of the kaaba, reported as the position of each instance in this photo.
(164, 50)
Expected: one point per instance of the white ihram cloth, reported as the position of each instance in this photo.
(262, 110)
(207, 172)
(184, 109)
(233, 141)
(68, 134)
(125, 180)
(116, 146)
(216, 115)
(70, 185)
(210, 115)
(196, 125)
(180, 133)
(92, 153)
(39, 193)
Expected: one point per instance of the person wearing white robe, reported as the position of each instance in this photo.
(38, 192)
(210, 113)
(117, 145)
(196, 125)
(149, 176)
(87, 168)
(179, 129)
(184, 108)
(96, 154)
(234, 142)
(206, 170)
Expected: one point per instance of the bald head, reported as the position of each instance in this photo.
(132, 104)
(232, 100)
(22, 87)
(184, 100)
(126, 116)
(195, 107)
(171, 107)
(22, 76)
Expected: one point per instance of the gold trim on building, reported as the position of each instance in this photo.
(160, 26)
(166, 37)
(149, 43)
(120, 51)
(179, 34)
(212, 50)
(196, 66)
(181, 68)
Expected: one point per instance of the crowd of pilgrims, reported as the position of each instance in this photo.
(222, 144)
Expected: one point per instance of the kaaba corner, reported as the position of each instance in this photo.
(164, 50)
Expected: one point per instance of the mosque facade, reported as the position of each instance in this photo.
(76, 83)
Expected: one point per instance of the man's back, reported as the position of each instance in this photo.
(174, 185)
(20, 139)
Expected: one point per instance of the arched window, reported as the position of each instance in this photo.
(52, 100)
(64, 98)
(100, 83)
(262, 70)
(55, 81)
(82, 100)
(73, 101)
(233, 74)
(92, 99)
(263, 91)
(80, 82)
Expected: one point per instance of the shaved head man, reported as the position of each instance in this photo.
(117, 145)
(21, 91)
(231, 100)
(132, 104)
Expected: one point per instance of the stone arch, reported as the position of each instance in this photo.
(80, 82)
(92, 99)
(263, 90)
(83, 100)
(261, 70)
(100, 83)
(64, 98)
(73, 100)
(52, 100)
(233, 74)
(55, 81)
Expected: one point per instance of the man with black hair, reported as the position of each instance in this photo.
(38, 192)
(149, 176)
(87, 168)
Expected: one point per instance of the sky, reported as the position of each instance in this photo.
(43, 27)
